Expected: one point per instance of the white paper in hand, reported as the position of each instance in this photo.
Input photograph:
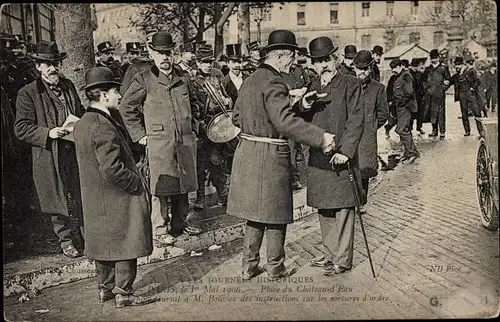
(69, 125)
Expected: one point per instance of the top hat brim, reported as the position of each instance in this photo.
(324, 55)
(363, 65)
(57, 57)
(234, 57)
(279, 46)
(87, 86)
(162, 48)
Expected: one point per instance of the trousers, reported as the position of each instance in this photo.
(468, 102)
(403, 128)
(160, 220)
(252, 241)
(337, 232)
(116, 276)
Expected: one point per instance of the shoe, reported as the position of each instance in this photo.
(71, 251)
(199, 204)
(441, 136)
(433, 134)
(296, 185)
(404, 158)
(256, 272)
(460, 117)
(410, 160)
(132, 300)
(287, 271)
(192, 231)
(362, 209)
(421, 131)
(166, 239)
(320, 262)
(335, 269)
(105, 295)
(467, 134)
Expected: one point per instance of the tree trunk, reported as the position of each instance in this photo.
(73, 27)
(185, 22)
(201, 24)
(221, 19)
(244, 26)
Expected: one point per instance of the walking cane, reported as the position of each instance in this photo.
(357, 201)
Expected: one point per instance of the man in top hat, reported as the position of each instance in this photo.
(119, 234)
(235, 77)
(210, 155)
(377, 53)
(261, 184)
(160, 110)
(105, 53)
(335, 104)
(436, 80)
(346, 66)
(403, 102)
(419, 93)
(133, 50)
(490, 78)
(376, 114)
(466, 85)
(42, 108)
(222, 64)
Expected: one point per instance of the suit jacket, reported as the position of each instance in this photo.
(403, 93)
(229, 86)
(375, 74)
(468, 81)
(37, 108)
(114, 198)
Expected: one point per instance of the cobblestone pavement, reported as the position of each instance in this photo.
(432, 258)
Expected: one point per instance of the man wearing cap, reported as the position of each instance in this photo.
(105, 52)
(376, 114)
(403, 101)
(346, 66)
(334, 103)
(115, 236)
(436, 80)
(377, 53)
(466, 85)
(261, 183)
(133, 50)
(159, 110)
(210, 155)
(42, 108)
(490, 77)
(419, 94)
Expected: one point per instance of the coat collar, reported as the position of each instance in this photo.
(163, 79)
(270, 68)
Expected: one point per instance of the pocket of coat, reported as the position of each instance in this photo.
(283, 150)
(156, 127)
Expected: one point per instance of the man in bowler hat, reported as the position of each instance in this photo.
(261, 183)
(377, 53)
(160, 111)
(436, 80)
(376, 114)
(42, 108)
(119, 234)
(346, 66)
(335, 104)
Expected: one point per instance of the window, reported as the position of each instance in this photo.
(365, 9)
(267, 15)
(438, 38)
(389, 8)
(12, 19)
(334, 13)
(438, 7)
(366, 41)
(301, 14)
(414, 38)
(414, 8)
(46, 22)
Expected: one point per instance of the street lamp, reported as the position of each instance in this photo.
(258, 19)
(455, 36)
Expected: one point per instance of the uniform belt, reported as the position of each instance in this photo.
(254, 138)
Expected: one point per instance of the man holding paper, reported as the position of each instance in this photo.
(47, 109)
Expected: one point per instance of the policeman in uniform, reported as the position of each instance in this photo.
(210, 156)
(133, 50)
(105, 52)
(346, 67)
(377, 52)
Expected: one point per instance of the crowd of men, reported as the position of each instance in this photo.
(146, 140)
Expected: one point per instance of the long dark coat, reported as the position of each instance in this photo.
(165, 111)
(375, 74)
(435, 90)
(341, 113)
(376, 114)
(229, 86)
(261, 179)
(36, 114)
(115, 203)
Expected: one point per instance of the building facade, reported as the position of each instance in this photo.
(34, 21)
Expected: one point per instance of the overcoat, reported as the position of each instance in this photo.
(433, 82)
(341, 113)
(165, 110)
(261, 180)
(229, 86)
(37, 109)
(375, 74)
(471, 81)
(346, 70)
(137, 66)
(376, 114)
(115, 205)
